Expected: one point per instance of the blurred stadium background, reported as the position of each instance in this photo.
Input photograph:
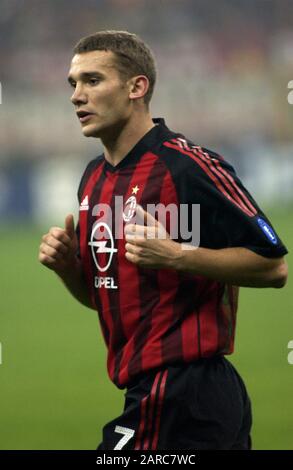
(224, 68)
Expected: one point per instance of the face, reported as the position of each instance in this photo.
(100, 97)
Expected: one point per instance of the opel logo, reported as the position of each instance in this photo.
(102, 246)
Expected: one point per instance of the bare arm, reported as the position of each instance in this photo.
(152, 247)
(58, 253)
(237, 266)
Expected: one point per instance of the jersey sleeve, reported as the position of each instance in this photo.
(85, 176)
(229, 216)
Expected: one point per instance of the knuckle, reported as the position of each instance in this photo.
(55, 253)
(58, 245)
(56, 232)
(43, 259)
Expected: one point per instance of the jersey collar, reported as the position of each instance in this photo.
(156, 134)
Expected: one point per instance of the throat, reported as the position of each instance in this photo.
(118, 147)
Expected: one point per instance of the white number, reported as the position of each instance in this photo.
(127, 435)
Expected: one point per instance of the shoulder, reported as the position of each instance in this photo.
(181, 155)
(204, 174)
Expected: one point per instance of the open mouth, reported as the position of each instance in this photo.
(84, 116)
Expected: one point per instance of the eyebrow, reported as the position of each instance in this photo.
(86, 75)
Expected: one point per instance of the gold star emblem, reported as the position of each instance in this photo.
(135, 189)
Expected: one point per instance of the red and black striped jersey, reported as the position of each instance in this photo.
(151, 318)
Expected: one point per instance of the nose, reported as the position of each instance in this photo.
(78, 97)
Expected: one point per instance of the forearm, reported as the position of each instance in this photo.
(75, 282)
(152, 247)
(237, 266)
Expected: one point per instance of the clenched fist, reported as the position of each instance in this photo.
(59, 247)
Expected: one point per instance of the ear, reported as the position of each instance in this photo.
(139, 86)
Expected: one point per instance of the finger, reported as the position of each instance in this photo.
(132, 229)
(69, 226)
(140, 238)
(132, 248)
(131, 257)
(142, 233)
(137, 229)
(148, 219)
(51, 252)
(46, 260)
(57, 244)
(129, 228)
(59, 234)
(152, 223)
(155, 229)
(134, 239)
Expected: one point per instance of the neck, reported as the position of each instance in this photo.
(117, 145)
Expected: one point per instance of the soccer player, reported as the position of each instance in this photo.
(167, 307)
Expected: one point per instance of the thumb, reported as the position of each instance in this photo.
(69, 226)
(147, 218)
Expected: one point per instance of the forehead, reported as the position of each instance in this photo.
(101, 61)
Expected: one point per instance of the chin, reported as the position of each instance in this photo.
(90, 131)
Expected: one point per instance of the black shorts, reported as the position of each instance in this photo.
(199, 406)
